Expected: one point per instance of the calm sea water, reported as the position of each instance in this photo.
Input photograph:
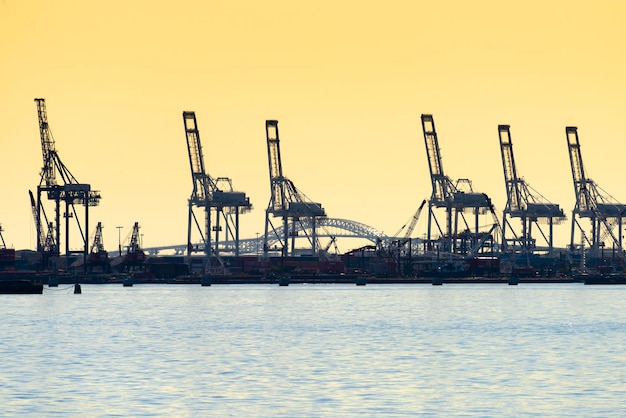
(315, 351)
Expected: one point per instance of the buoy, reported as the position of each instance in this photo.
(77, 289)
(513, 281)
(206, 281)
(361, 281)
(437, 281)
(283, 281)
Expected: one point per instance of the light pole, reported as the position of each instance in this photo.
(119, 239)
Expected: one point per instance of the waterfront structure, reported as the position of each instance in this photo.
(287, 203)
(605, 214)
(60, 186)
(456, 198)
(526, 204)
(213, 196)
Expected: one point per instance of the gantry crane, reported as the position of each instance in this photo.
(61, 186)
(286, 201)
(524, 203)
(604, 212)
(456, 198)
(209, 194)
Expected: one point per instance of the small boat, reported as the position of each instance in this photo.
(603, 278)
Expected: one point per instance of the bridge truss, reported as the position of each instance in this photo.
(327, 228)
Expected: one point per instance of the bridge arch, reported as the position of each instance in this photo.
(327, 228)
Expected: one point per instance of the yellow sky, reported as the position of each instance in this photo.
(346, 80)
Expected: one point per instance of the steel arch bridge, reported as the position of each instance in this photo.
(330, 228)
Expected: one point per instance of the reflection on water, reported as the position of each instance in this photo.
(315, 350)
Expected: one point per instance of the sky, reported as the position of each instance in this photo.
(347, 82)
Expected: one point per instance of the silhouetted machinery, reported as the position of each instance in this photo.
(287, 202)
(525, 204)
(60, 186)
(213, 195)
(456, 199)
(98, 256)
(604, 212)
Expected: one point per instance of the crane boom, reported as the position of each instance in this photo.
(584, 189)
(203, 185)
(277, 181)
(442, 186)
(514, 194)
(412, 222)
(48, 171)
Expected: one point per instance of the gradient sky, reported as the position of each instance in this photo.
(347, 82)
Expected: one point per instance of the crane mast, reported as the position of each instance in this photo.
(286, 201)
(69, 192)
(604, 212)
(529, 206)
(207, 194)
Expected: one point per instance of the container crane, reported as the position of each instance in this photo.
(604, 212)
(524, 203)
(286, 201)
(60, 186)
(211, 195)
(455, 198)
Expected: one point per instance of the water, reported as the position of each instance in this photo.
(315, 351)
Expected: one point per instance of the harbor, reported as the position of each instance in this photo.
(466, 240)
